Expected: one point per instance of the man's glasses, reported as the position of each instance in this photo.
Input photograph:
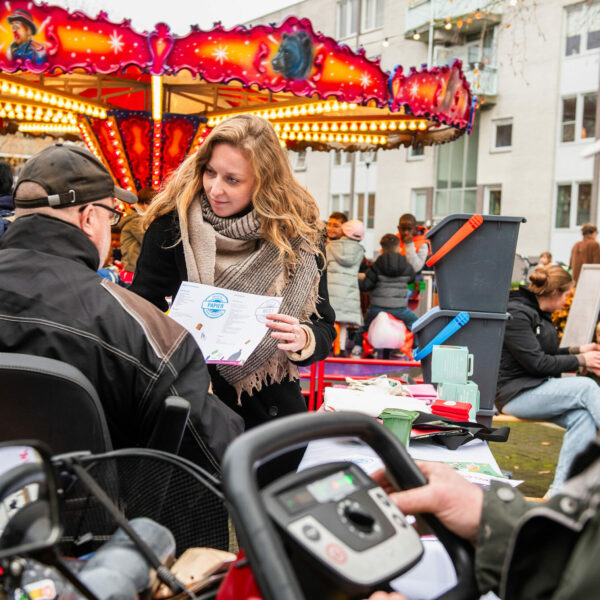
(116, 216)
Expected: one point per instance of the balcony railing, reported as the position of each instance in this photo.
(420, 14)
(482, 76)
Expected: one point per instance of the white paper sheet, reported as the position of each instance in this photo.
(227, 325)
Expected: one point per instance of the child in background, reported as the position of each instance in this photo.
(387, 279)
(344, 256)
(334, 225)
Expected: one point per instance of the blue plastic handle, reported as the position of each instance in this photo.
(461, 319)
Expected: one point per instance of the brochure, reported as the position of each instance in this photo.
(227, 325)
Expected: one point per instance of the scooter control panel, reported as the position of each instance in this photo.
(340, 518)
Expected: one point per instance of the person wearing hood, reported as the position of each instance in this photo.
(387, 280)
(6, 199)
(344, 256)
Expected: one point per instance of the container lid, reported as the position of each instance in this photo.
(437, 313)
(466, 217)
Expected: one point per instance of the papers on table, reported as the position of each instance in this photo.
(227, 325)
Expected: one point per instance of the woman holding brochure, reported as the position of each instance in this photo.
(234, 216)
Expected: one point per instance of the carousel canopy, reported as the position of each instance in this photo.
(143, 101)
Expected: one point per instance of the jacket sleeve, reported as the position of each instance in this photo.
(500, 516)
(156, 274)
(520, 340)
(321, 323)
(370, 280)
(416, 259)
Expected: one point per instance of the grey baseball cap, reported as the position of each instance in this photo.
(70, 175)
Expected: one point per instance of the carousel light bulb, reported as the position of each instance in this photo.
(338, 137)
(422, 125)
(288, 112)
(344, 106)
(308, 137)
(295, 111)
(368, 139)
(344, 127)
(330, 137)
(346, 138)
(412, 126)
(311, 110)
(280, 114)
(326, 108)
(306, 127)
(402, 126)
(13, 90)
(292, 136)
(296, 127)
(315, 127)
(324, 127)
(300, 136)
(335, 106)
(284, 135)
(334, 127)
(353, 139)
(319, 108)
(393, 126)
(4, 87)
(354, 127)
(323, 137)
(303, 111)
(363, 126)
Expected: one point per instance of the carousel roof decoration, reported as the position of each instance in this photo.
(144, 101)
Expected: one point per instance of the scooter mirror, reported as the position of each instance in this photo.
(29, 516)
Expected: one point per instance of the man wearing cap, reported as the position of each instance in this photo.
(24, 47)
(53, 304)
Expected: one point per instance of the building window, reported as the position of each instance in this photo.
(583, 27)
(367, 157)
(588, 122)
(503, 134)
(372, 14)
(419, 205)
(341, 158)
(415, 153)
(578, 118)
(365, 210)
(300, 160)
(563, 206)
(340, 203)
(493, 201)
(573, 205)
(456, 179)
(347, 18)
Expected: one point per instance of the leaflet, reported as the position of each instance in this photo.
(227, 325)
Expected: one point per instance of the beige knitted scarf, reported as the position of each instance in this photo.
(257, 272)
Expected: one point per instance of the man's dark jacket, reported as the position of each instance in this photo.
(53, 304)
(387, 279)
(530, 353)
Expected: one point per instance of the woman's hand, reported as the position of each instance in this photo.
(289, 331)
(592, 361)
(588, 348)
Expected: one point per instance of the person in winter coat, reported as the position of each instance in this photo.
(387, 279)
(132, 233)
(529, 381)
(586, 251)
(54, 304)
(6, 199)
(234, 216)
(344, 256)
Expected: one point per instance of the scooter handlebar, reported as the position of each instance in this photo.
(272, 570)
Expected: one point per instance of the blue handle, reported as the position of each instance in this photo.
(462, 318)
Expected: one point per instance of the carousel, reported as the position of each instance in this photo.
(142, 101)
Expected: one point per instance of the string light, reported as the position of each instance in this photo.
(37, 95)
(288, 112)
(48, 128)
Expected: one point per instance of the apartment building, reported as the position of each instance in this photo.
(535, 68)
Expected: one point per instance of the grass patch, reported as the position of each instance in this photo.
(531, 453)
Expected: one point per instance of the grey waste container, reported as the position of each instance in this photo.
(483, 335)
(475, 275)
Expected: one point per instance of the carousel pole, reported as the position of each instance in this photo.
(157, 106)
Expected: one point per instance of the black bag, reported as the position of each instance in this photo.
(453, 434)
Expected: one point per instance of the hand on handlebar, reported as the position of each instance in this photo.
(449, 496)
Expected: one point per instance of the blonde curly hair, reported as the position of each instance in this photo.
(286, 209)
